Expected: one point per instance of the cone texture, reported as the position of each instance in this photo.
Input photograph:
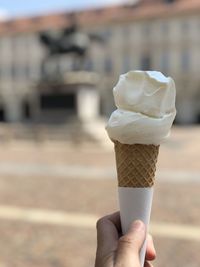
(136, 164)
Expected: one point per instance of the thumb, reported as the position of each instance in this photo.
(130, 244)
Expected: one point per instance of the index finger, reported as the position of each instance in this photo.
(108, 233)
(115, 219)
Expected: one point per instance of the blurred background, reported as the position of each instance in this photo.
(59, 61)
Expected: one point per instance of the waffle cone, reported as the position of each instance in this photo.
(136, 164)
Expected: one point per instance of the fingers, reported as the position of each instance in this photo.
(126, 248)
(150, 253)
(107, 233)
(115, 219)
(130, 244)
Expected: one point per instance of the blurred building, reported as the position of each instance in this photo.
(148, 34)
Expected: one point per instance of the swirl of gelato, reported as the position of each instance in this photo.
(145, 112)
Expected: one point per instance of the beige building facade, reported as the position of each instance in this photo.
(148, 35)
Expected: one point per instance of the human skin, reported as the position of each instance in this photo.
(117, 250)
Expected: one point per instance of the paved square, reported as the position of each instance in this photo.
(52, 193)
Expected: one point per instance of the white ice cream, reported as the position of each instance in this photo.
(146, 108)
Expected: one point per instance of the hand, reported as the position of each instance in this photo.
(114, 250)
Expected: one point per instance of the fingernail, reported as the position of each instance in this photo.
(138, 225)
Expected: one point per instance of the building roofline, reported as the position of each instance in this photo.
(143, 10)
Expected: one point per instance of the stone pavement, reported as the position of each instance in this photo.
(51, 194)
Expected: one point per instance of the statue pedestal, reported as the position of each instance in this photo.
(87, 94)
(75, 97)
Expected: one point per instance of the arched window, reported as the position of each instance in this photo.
(146, 62)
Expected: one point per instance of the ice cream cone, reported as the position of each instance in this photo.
(136, 166)
(145, 102)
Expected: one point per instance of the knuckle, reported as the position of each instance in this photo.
(129, 242)
(100, 222)
(126, 240)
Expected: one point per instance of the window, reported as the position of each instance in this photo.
(164, 28)
(1, 71)
(146, 63)
(146, 30)
(185, 60)
(25, 71)
(14, 70)
(88, 65)
(108, 65)
(164, 62)
(126, 63)
(185, 27)
(106, 34)
(21, 72)
(125, 31)
(6, 72)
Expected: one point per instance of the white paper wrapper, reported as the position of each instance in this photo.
(135, 204)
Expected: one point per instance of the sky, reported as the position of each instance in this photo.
(13, 8)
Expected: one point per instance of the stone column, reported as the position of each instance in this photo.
(13, 109)
(87, 103)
